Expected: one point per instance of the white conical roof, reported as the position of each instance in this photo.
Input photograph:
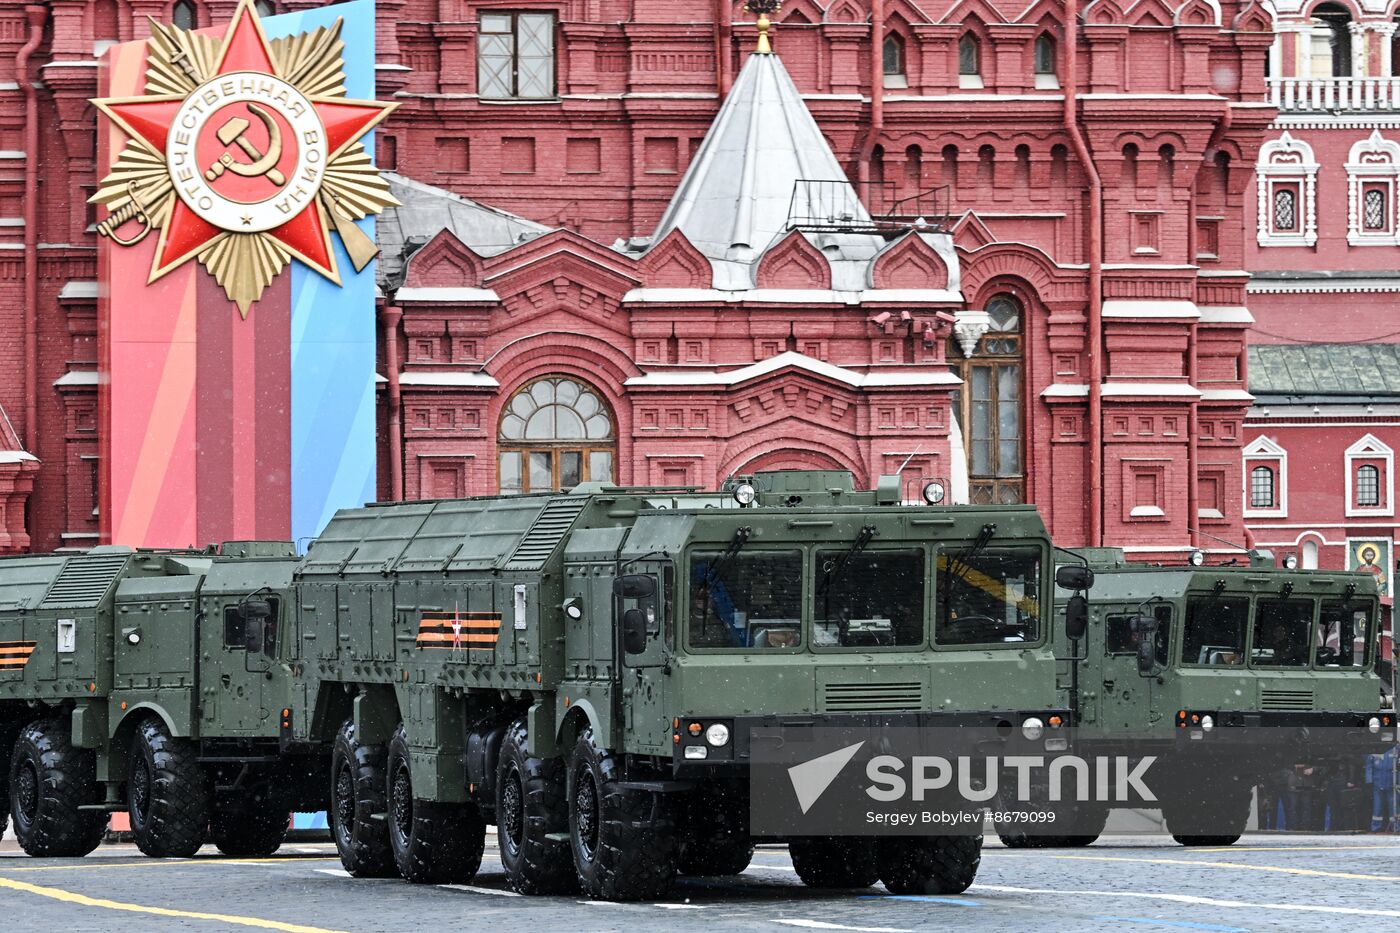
(736, 195)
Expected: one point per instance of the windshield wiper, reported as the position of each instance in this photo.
(832, 569)
(741, 537)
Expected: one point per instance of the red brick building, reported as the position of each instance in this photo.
(630, 249)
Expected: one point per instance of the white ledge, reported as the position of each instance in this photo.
(1225, 314)
(1135, 308)
(82, 377)
(1149, 389)
(77, 290)
(821, 296)
(456, 380)
(878, 379)
(1065, 390)
(1225, 395)
(16, 456)
(454, 295)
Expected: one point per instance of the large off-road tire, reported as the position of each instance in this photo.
(433, 843)
(1088, 824)
(928, 864)
(49, 780)
(1214, 816)
(531, 805)
(358, 811)
(166, 795)
(249, 824)
(623, 840)
(714, 837)
(834, 861)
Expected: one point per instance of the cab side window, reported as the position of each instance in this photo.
(1119, 637)
(238, 636)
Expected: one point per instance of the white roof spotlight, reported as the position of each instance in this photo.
(934, 492)
(1198, 557)
(1290, 562)
(744, 494)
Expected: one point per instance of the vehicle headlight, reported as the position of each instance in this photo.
(1207, 723)
(717, 734)
(1373, 725)
(744, 494)
(1198, 557)
(933, 493)
(693, 752)
(1033, 728)
(1290, 562)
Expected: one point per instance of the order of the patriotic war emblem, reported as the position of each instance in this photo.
(244, 153)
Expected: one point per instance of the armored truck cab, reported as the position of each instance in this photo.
(125, 685)
(584, 670)
(1224, 673)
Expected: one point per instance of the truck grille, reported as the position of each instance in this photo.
(84, 580)
(1286, 699)
(873, 698)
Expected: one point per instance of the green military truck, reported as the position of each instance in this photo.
(583, 671)
(1224, 674)
(132, 681)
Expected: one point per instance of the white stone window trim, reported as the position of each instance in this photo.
(1374, 161)
(1287, 161)
(1264, 452)
(1370, 448)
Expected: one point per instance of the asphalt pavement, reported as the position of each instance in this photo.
(1264, 882)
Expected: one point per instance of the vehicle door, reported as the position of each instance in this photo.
(242, 639)
(1126, 695)
(646, 650)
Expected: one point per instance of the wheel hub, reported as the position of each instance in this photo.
(344, 792)
(512, 815)
(140, 793)
(27, 793)
(586, 808)
(403, 801)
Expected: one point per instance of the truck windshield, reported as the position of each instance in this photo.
(1282, 632)
(991, 597)
(1344, 634)
(876, 600)
(753, 599)
(1215, 630)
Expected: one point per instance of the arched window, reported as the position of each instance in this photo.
(894, 66)
(989, 404)
(182, 14)
(1045, 61)
(1310, 555)
(1261, 488)
(1130, 168)
(1285, 210)
(914, 169)
(969, 61)
(1368, 486)
(1330, 45)
(555, 433)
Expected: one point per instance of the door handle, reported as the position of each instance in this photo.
(226, 679)
(1108, 685)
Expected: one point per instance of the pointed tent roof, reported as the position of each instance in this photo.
(735, 198)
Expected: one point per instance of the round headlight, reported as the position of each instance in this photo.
(1290, 562)
(744, 494)
(1207, 723)
(573, 611)
(933, 493)
(717, 734)
(1198, 557)
(133, 638)
(1033, 728)
(1373, 725)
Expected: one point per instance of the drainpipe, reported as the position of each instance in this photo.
(724, 30)
(35, 15)
(390, 316)
(1095, 250)
(1193, 452)
(877, 92)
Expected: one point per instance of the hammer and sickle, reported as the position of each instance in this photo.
(231, 133)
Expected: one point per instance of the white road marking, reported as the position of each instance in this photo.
(680, 906)
(1196, 900)
(822, 925)
(334, 872)
(476, 890)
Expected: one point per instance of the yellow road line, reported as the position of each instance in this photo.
(1313, 872)
(59, 894)
(95, 864)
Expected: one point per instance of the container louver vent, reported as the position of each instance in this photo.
(544, 535)
(874, 698)
(1286, 699)
(83, 581)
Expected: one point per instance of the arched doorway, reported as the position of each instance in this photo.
(555, 433)
(990, 406)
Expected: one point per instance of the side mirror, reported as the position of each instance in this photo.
(1076, 617)
(634, 631)
(1146, 658)
(634, 586)
(1074, 577)
(253, 634)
